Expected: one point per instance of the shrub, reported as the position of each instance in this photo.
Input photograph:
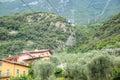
(58, 72)
(52, 77)
(20, 78)
(116, 69)
(55, 60)
(116, 74)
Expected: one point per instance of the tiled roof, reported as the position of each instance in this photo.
(29, 53)
(12, 62)
(34, 58)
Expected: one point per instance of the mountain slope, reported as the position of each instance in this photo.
(98, 36)
(32, 31)
(44, 30)
(80, 11)
(108, 35)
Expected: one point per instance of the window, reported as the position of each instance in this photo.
(0, 63)
(47, 53)
(8, 72)
(24, 73)
(18, 72)
(0, 73)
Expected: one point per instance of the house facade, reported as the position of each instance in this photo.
(10, 69)
(29, 56)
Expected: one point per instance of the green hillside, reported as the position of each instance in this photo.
(32, 31)
(46, 30)
(98, 35)
(108, 36)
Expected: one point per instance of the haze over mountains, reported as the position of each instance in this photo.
(78, 11)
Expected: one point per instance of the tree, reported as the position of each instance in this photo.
(99, 68)
(75, 72)
(43, 70)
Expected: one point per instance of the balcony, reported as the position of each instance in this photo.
(4, 76)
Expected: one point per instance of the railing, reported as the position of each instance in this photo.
(4, 76)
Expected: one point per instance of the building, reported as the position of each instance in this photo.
(30, 56)
(10, 69)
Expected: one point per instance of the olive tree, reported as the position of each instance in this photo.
(76, 71)
(99, 68)
(43, 70)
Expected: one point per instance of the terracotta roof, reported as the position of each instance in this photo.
(37, 51)
(11, 62)
(30, 52)
(34, 58)
(16, 56)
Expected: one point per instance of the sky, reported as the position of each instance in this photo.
(6, 0)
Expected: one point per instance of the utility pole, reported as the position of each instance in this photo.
(88, 21)
(72, 17)
(73, 13)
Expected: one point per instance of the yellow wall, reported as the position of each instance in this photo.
(45, 58)
(12, 69)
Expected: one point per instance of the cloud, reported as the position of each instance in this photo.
(24, 5)
(64, 1)
(33, 3)
(16, 8)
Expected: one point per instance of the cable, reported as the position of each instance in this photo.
(52, 6)
(104, 9)
(27, 5)
(90, 3)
